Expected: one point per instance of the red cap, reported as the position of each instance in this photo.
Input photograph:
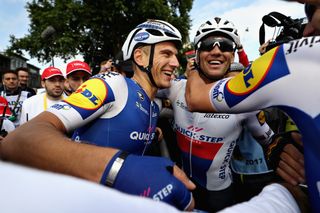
(78, 66)
(4, 106)
(50, 72)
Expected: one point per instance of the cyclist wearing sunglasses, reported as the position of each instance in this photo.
(272, 80)
(206, 140)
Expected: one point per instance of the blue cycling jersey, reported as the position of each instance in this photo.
(112, 111)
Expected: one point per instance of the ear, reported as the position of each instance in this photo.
(42, 84)
(138, 56)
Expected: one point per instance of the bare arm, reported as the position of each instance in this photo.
(41, 143)
(197, 94)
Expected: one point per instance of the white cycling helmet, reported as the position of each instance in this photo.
(149, 32)
(219, 26)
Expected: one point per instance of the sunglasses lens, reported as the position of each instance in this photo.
(225, 45)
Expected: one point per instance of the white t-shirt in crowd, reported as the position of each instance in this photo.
(34, 105)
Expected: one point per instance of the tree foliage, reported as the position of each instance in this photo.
(95, 29)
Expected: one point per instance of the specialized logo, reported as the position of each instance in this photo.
(216, 93)
(61, 106)
(90, 95)
(141, 36)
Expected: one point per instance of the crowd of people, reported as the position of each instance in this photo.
(100, 128)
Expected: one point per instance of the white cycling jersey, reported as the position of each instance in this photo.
(288, 77)
(207, 140)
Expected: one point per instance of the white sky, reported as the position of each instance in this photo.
(243, 13)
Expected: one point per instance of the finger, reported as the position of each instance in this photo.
(293, 164)
(294, 153)
(284, 175)
(288, 173)
(180, 175)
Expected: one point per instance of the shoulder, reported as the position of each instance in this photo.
(177, 84)
(33, 99)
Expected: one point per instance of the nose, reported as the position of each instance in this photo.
(215, 50)
(174, 62)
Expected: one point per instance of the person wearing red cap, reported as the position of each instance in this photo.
(77, 72)
(52, 80)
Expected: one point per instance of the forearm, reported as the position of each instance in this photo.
(197, 93)
(52, 150)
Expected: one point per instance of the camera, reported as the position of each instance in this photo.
(290, 28)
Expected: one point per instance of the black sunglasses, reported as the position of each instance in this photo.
(224, 44)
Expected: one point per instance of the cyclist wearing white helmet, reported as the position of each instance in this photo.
(107, 111)
(206, 140)
(272, 80)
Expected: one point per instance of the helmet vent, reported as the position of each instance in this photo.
(217, 19)
(171, 35)
(154, 32)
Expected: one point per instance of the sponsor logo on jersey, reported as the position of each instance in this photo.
(61, 106)
(217, 94)
(216, 115)
(266, 69)
(192, 132)
(261, 117)
(226, 160)
(199, 149)
(182, 105)
(141, 96)
(90, 95)
(163, 193)
(295, 45)
(141, 36)
(139, 105)
(142, 136)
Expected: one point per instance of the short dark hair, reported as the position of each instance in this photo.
(9, 71)
(23, 69)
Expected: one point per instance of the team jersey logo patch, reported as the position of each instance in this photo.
(252, 77)
(261, 117)
(90, 95)
(268, 68)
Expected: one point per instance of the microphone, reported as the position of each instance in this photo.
(48, 32)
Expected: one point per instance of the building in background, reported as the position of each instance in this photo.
(14, 61)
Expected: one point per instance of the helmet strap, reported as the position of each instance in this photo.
(148, 68)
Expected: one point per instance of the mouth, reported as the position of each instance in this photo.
(215, 62)
(169, 75)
